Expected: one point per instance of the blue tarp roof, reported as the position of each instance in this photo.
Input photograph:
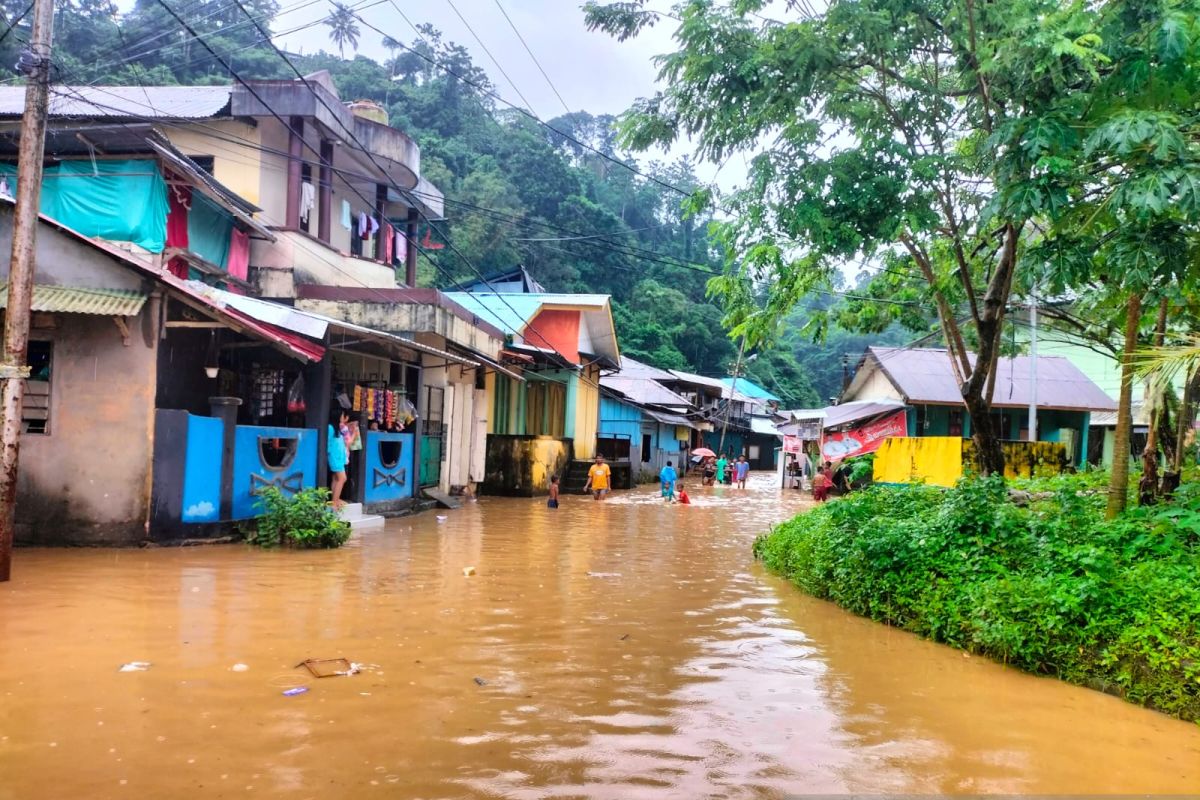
(751, 389)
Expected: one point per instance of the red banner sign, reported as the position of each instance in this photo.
(793, 444)
(865, 438)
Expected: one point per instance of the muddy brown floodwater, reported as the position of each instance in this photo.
(623, 650)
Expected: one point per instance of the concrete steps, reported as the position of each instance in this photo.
(353, 513)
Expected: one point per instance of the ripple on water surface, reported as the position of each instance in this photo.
(625, 649)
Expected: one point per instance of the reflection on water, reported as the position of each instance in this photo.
(623, 649)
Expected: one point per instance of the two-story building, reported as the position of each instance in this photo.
(264, 190)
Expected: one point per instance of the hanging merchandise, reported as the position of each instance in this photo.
(358, 398)
(370, 404)
(267, 384)
(295, 398)
(389, 414)
(407, 412)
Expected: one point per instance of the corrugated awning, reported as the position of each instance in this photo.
(764, 426)
(79, 300)
(492, 364)
(856, 410)
(669, 419)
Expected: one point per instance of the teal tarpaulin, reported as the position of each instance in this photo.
(121, 200)
(209, 230)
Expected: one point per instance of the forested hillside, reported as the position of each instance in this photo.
(562, 199)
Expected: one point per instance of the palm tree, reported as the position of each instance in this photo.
(343, 28)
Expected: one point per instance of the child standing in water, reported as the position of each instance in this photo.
(683, 496)
(553, 501)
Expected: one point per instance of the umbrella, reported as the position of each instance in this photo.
(703, 452)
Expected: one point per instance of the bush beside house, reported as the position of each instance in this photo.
(1051, 588)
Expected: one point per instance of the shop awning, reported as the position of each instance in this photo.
(315, 326)
(854, 411)
(79, 300)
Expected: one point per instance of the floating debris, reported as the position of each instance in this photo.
(468, 571)
(239, 667)
(135, 666)
(481, 682)
(604, 574)
(330, 667)
(293, 692)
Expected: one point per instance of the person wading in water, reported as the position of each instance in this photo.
(598, 478)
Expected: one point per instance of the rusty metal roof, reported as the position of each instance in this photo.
(77, 300)
(644, 391)
(156, 102)
(924, 375)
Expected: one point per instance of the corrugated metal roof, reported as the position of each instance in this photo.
(631, 368)
(644, 391)
(308, 322)
(751, 389)
(700, 380)
(77, 300)
(857, 410)
(925, 376)
(156, 102)
(764, 425)
(669, 419)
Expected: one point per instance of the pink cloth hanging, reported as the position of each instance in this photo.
(239, 254)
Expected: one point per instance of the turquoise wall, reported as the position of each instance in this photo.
(1050, 423)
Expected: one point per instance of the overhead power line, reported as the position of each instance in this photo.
(537, 63)
(524, 112)
(495, 60)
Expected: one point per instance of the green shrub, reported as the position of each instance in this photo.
(303, 520)
(1051, 588)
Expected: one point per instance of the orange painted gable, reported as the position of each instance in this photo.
(556, 329)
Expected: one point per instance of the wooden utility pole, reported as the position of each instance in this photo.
(35, 63)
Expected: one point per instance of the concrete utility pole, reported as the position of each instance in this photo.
(737, 372)
(1033, 375)
(35, 63)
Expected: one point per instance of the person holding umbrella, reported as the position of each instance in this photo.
(709, 470)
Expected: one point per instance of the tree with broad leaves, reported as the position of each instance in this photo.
(343, 27)
(938, 141)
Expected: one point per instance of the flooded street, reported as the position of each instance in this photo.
(622, 650)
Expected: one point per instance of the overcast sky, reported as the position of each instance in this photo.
(592, 71)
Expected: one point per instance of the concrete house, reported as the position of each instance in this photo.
(547, 424)
(921, 382)
(226, 191)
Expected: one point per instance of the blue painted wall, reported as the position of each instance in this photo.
(620, 419)
(386, 483)
(250, 473)
(202, 470)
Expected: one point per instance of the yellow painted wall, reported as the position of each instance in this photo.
(938, 460)
(235, 165)
(489, 388)
(587, 412)
(935, 460)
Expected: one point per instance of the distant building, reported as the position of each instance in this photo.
(562, 343)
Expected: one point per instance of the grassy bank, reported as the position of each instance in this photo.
(1051, 588)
